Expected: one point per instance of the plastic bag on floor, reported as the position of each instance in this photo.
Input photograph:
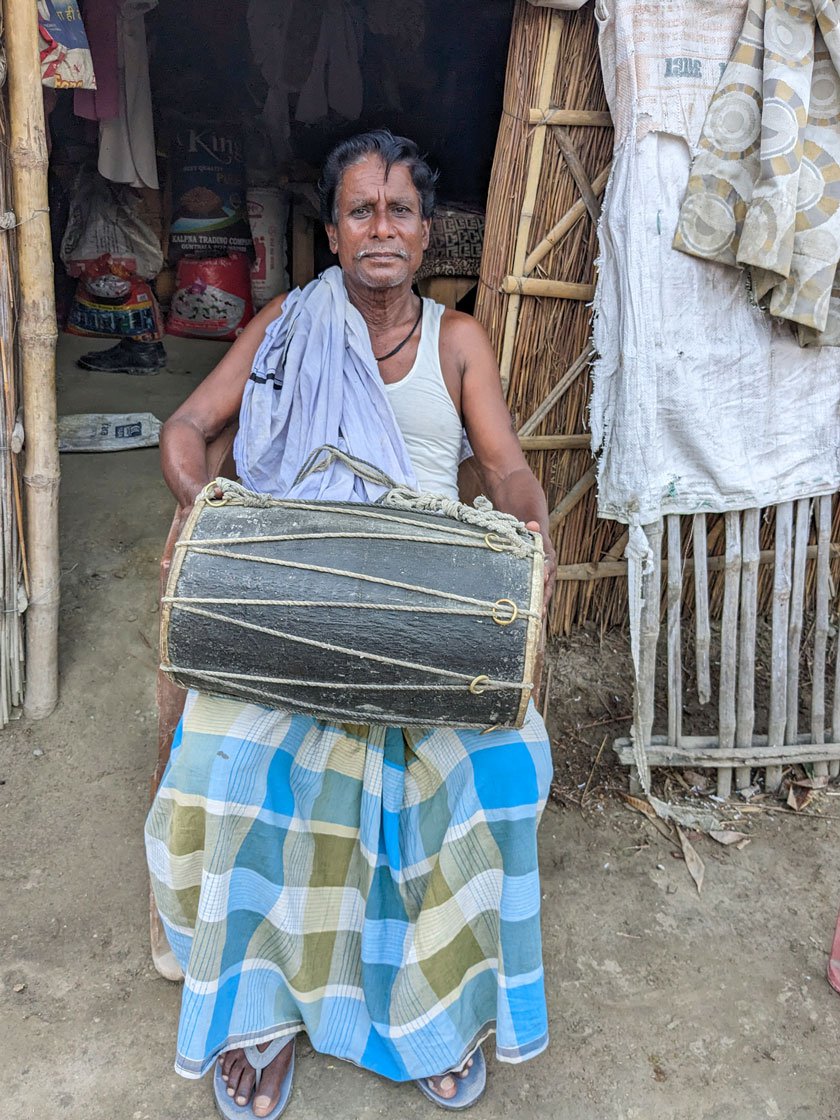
(108, 431)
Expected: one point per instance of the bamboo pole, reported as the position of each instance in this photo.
(617, 569)
(779, 648)
(565, 507)
(704, 751)
(674, 633)
(648, 640)
(797, 612)
(12, 554)
(529, 200)
(37, 333)
(577, 171)
(555, 443)
(548, 289)
(745, 713)
(821, 628)
(562, 227)
(727, 721)
(566, 381)
(569, 118)
(702, 627)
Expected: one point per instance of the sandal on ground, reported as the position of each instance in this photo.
(259, 1059)
(834, 959)
(468, 1089)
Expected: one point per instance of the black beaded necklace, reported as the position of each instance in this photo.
(399, 347)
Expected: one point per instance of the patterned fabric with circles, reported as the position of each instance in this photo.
(764, 191)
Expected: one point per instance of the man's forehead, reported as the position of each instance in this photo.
(366, 181)
(356, 198)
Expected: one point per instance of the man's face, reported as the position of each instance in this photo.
(380, 233)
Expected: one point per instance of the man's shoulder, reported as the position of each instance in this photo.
(275, 305)
(460, 327)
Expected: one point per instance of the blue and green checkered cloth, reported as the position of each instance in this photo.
(375, 887)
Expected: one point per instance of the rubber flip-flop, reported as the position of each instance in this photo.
(468, 1089)
(259, 1059)
(834, 959)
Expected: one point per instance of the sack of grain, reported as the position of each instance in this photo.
(212, 298)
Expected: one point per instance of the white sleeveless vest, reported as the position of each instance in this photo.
(425, 413)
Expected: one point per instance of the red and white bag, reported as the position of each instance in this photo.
(212, 298)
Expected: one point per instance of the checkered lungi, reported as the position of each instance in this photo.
(375, 887)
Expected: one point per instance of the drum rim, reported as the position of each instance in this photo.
(532, 637)
(179, 555)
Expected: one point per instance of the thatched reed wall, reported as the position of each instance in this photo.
(551, 333)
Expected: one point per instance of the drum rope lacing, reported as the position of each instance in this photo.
(481, 515)
(197, 548)
(332, 647)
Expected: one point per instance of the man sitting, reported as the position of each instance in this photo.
(375, 887)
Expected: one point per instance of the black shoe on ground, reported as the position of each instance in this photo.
(128, 356)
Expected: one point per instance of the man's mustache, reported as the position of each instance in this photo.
(401, 253)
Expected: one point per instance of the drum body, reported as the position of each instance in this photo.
(354, 613)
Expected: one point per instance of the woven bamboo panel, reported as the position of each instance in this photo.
(548, 333)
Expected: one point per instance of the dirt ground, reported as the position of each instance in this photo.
(663, 1003)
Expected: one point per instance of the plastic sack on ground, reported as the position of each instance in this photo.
(212, 298)
(104, 218)
(209, 215)
(111, 302)
(268, 212)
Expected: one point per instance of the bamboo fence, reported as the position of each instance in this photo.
(13, 575)
(757, 728)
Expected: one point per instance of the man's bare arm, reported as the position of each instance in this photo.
(203, 415)
(511, 484)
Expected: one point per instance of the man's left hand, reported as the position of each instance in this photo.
(550, 563)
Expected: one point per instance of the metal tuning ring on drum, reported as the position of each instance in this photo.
(496, 542)
(209, 494)
(479, 685)
(505, 612)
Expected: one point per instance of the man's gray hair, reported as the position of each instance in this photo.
(390, 149)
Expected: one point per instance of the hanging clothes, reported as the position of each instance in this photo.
(127, 142)
(335, 80)
(701, 401)
(298, 52)
(764, 190)
(103, 103)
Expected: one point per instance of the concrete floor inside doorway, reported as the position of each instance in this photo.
(663, 1003)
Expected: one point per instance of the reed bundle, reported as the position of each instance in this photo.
(12, 560)
(546, 336)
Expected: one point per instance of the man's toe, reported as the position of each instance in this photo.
(443, 1086)
(263, 1104)
(245, 1088)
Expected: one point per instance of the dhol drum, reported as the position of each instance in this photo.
(357, 613)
